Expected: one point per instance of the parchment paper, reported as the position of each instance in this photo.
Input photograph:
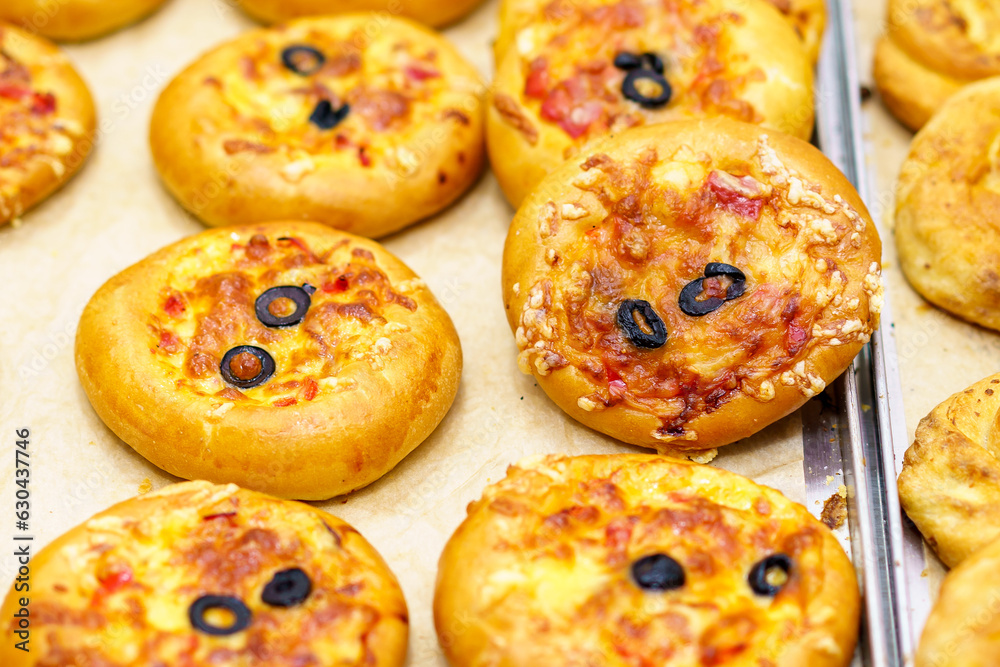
(939, 354)
(116, 212)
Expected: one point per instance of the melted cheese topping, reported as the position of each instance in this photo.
(118, 592)
(645, 229)
(399, 85)
(558, 538)
(356, 317)
(570, 79)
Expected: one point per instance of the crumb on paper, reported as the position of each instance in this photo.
(835, 509)
(829, 478)
(145, 486)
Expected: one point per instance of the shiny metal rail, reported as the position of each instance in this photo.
(857, 421)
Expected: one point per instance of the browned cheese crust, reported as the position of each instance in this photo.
(558, 89)
(963, 629)
(808, 17)
(540, 573)
(950, 482)
(437, 13)
(361, 381)
(931, 49)
(639, 218)
(947, 199)
(233, 139)
(116, 590)
(47, 121)
(75, 20)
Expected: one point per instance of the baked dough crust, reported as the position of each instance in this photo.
(808, 17)
(359, 383)
(946, 201)
(963, 627)
(639, 217)
(115, 590)
(436, 13)
(47, 121)
(232, 140)
(539, 572)
(930, 50)
(950, 482)
(76, 20)
(558, 91)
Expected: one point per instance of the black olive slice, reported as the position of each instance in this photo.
(658, 572)
(287, 588)
(739, 285)
(198, 609)
(653, 62)
(627, 61)
(298, 295)
(716, 269)
(760, 576)
(303, 60)
(325, 117)
(626, 320)
(631, 91)
(240, 379)
(690, 304)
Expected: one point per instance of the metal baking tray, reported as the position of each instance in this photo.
(860, 419)
(92, 229)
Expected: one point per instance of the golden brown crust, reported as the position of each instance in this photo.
(76, 20)
(950, 482)
(964, 626)
(436, 13)
(930, 50)
(539, 572)
(808, 17)
(115, 591)
(639, 217)
(946, 201)
(558, 91)
(365, 378)
(47, 121)
(232, 139)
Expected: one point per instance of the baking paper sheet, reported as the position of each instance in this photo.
(938, 354)
(116, 212)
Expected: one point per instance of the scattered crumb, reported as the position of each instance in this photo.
(704, 457)
(835, 509)
(829, 478)
(145, 487)
(925, 574)
(866, 93)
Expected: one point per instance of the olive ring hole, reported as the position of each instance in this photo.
(201, 608)
(247, 366)
(273, 306)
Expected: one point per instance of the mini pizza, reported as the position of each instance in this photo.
(76, 20)
(323, 119)
(288, 358)
(931, 49)
(946, 201)
(684, 285)
(609, 65)
(950, 482)
(631, 560)
(963, 629)
(808, 17)
(199, 575)
(47, 121)
(435, 13)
